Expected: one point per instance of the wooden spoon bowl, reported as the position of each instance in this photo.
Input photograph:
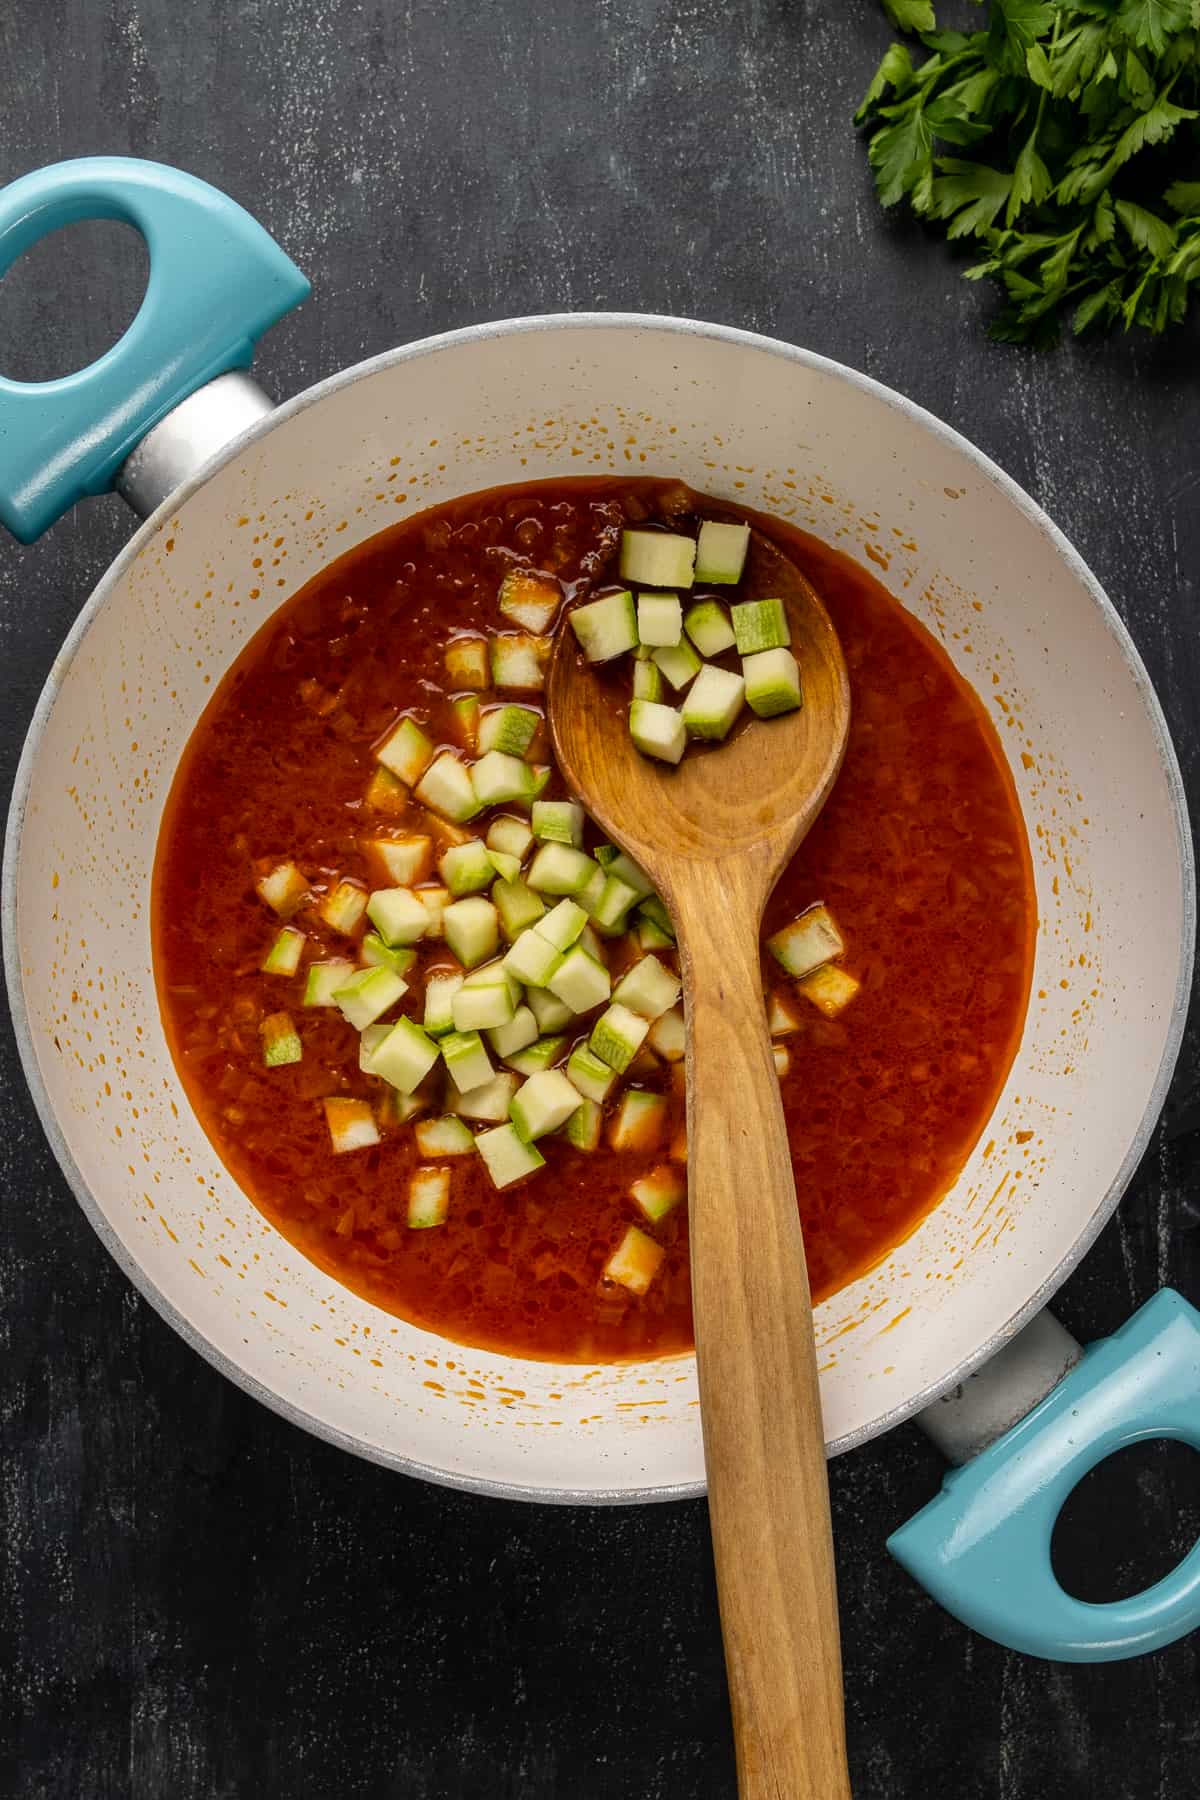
(715, 834)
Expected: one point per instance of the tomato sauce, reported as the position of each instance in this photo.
(920, 854)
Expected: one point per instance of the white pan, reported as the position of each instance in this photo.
(226, 480)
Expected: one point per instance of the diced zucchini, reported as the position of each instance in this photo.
(542, 1104)
(648, 989)
(615, 899)
(589, 941)
(760, 625)
(368, 1043)
(402, 861)
(378, 955)
(560, 869)
(580, 982)
(446, 788)
(714, 700)
(606, 627)
(447, 1136)
(280, 1040)
(657, 559)
(446, 832)
(519, 1032)
(510, 729)
(657, 730)
(518, 660)
(606, 853)
(472, 930)
(508, 868)
(497, 777)
(506, 1157)
(647, 681)
(617, 1037)
(531, 600)
(772, 683)
(435, 900)
(639, 1121)
(631, 873)
(429, 1196)
(533, 959)
(678, 663)
(592, 1077)
(807, 942)
(489, 1102)
(654, 910)
(563, 924)
(550, 1012)
(343, 906)
(385, 794)
(283, 958)
(558, 822)
(536, 1056)
(721, 553)
(541, 779)
(830, 989)
(467, 663)
(284, 889)
(659, 620)
(366, 995)
(582, 1129)
(467, 1060)
(635, 1261)
(351, 1124)
(658, 1193)
(707, 624)
(324, 979)
(406, 751)
(780, 1017)
(466, 868)
(405, 1056)
(478, 1006)
(403, 1107)
(440, 990)
(466, 721)
(397, 915)
(510, 836)
(782, 1058)
(650, 936)
(667, 1036)
(518, 907)
(589, 896)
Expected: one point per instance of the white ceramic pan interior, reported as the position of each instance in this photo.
(749, 421)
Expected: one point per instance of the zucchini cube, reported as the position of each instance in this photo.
(506, 1156)
(635, 1261)
(405, 1056)
(542, 1104)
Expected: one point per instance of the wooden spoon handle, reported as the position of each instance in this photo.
(764, 1446)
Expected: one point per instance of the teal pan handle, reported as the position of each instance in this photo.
(217, 282)
(982, 1548)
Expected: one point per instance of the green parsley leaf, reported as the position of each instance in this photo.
(1147, 230)
(1152, 22)
(1064, 136)
(911, 15)
(1183, 196)
(1016, 26)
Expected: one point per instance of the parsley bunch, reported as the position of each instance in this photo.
(1064, 137)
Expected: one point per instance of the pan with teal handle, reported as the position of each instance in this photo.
(170, 418)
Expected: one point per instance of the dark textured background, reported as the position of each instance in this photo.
(196, 1601)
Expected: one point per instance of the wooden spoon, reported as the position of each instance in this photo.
(715, 834)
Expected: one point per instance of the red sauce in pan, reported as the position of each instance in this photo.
(920, 854)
